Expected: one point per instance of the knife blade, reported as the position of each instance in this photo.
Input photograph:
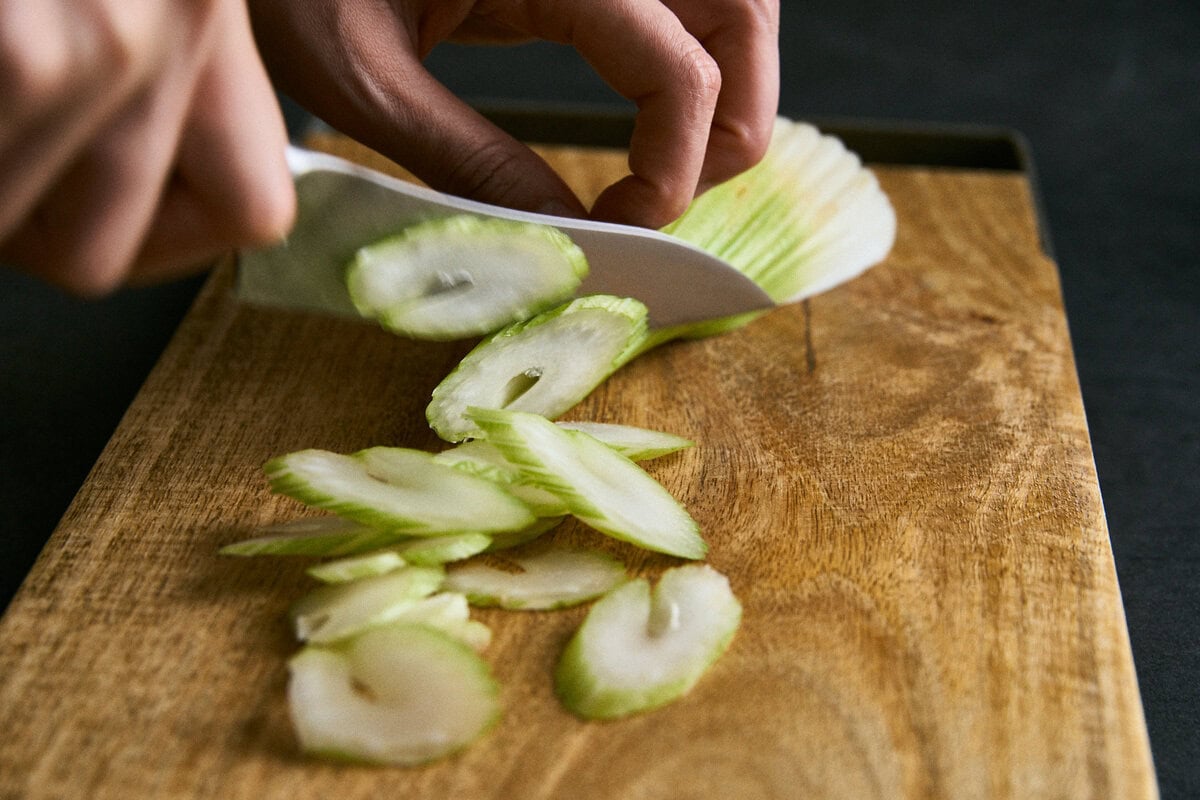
(342, 206)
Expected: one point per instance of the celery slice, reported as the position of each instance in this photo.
(544, 365)
(464, 276)
(339, 610)
(402, 490)
(638, 650)
(636, 444)
(352, 568)
(554, 578)
(399, 695)
(599, 485)
(314, 536)
(432, 550)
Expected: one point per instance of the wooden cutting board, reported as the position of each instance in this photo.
(896, 476)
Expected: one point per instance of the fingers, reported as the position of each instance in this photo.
(121, 190)
(63, 72)
(704, 75)
(367, 81)
(231, 187)
(646, 54)
(743, 37)
(90, 215)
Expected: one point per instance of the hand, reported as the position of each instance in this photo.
(703, 73)
(138, 138)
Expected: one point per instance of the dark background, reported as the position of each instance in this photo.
(1105, 94)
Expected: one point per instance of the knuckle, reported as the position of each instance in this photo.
(701, 73)
(34, 73)
(55, 61)
(488, 172)
(743, 144)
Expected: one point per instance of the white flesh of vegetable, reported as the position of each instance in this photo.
(400, 695)
(352, 568)
(639, 650)
(340, 610)
(481, 458)
(398, 489)
(431, 550)
(464, 276)
(314, 536)
(636, 444)
(600, 486)
(545, 365)
(553, 578)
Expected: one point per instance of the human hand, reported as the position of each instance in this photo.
(703, 73)
(138, 138)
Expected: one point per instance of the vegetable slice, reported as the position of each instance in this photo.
(464, 276)
(555, 578)
(432, 550)
(352, 568)
(399, 489)
(544, 365)
(400, 695)
(636, 444)
(639, 650)
(314, 536)
(481, 458)
(599, 486)
(339, 610)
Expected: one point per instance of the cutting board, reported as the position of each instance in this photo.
(896, 476)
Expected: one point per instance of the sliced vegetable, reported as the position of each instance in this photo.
(433, 550)
(400, 695)
(639, 650)
(337, 611)
(553, 578)
(599, 485)
(314, 536)
(504, 541)
(398, 489)
(464, 276)
(544, 365)
(478, 457)
(450, 613)
(636, 444)
(352, 568)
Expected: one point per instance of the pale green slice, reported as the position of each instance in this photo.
(481, 458)
(400, 695)
(352, 568)
(432, 550)
(450, 613)
(314, 536)
(554, 578)
(599, 485)
(464, 276)
(636, 444)
(337, 611)
(545, 365)
(638, 650)
(398, 489)
(505, 541)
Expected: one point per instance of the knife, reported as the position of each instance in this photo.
(342, 206)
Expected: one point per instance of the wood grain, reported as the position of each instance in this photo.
(896, 476)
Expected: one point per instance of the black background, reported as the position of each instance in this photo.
(1106, 95)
